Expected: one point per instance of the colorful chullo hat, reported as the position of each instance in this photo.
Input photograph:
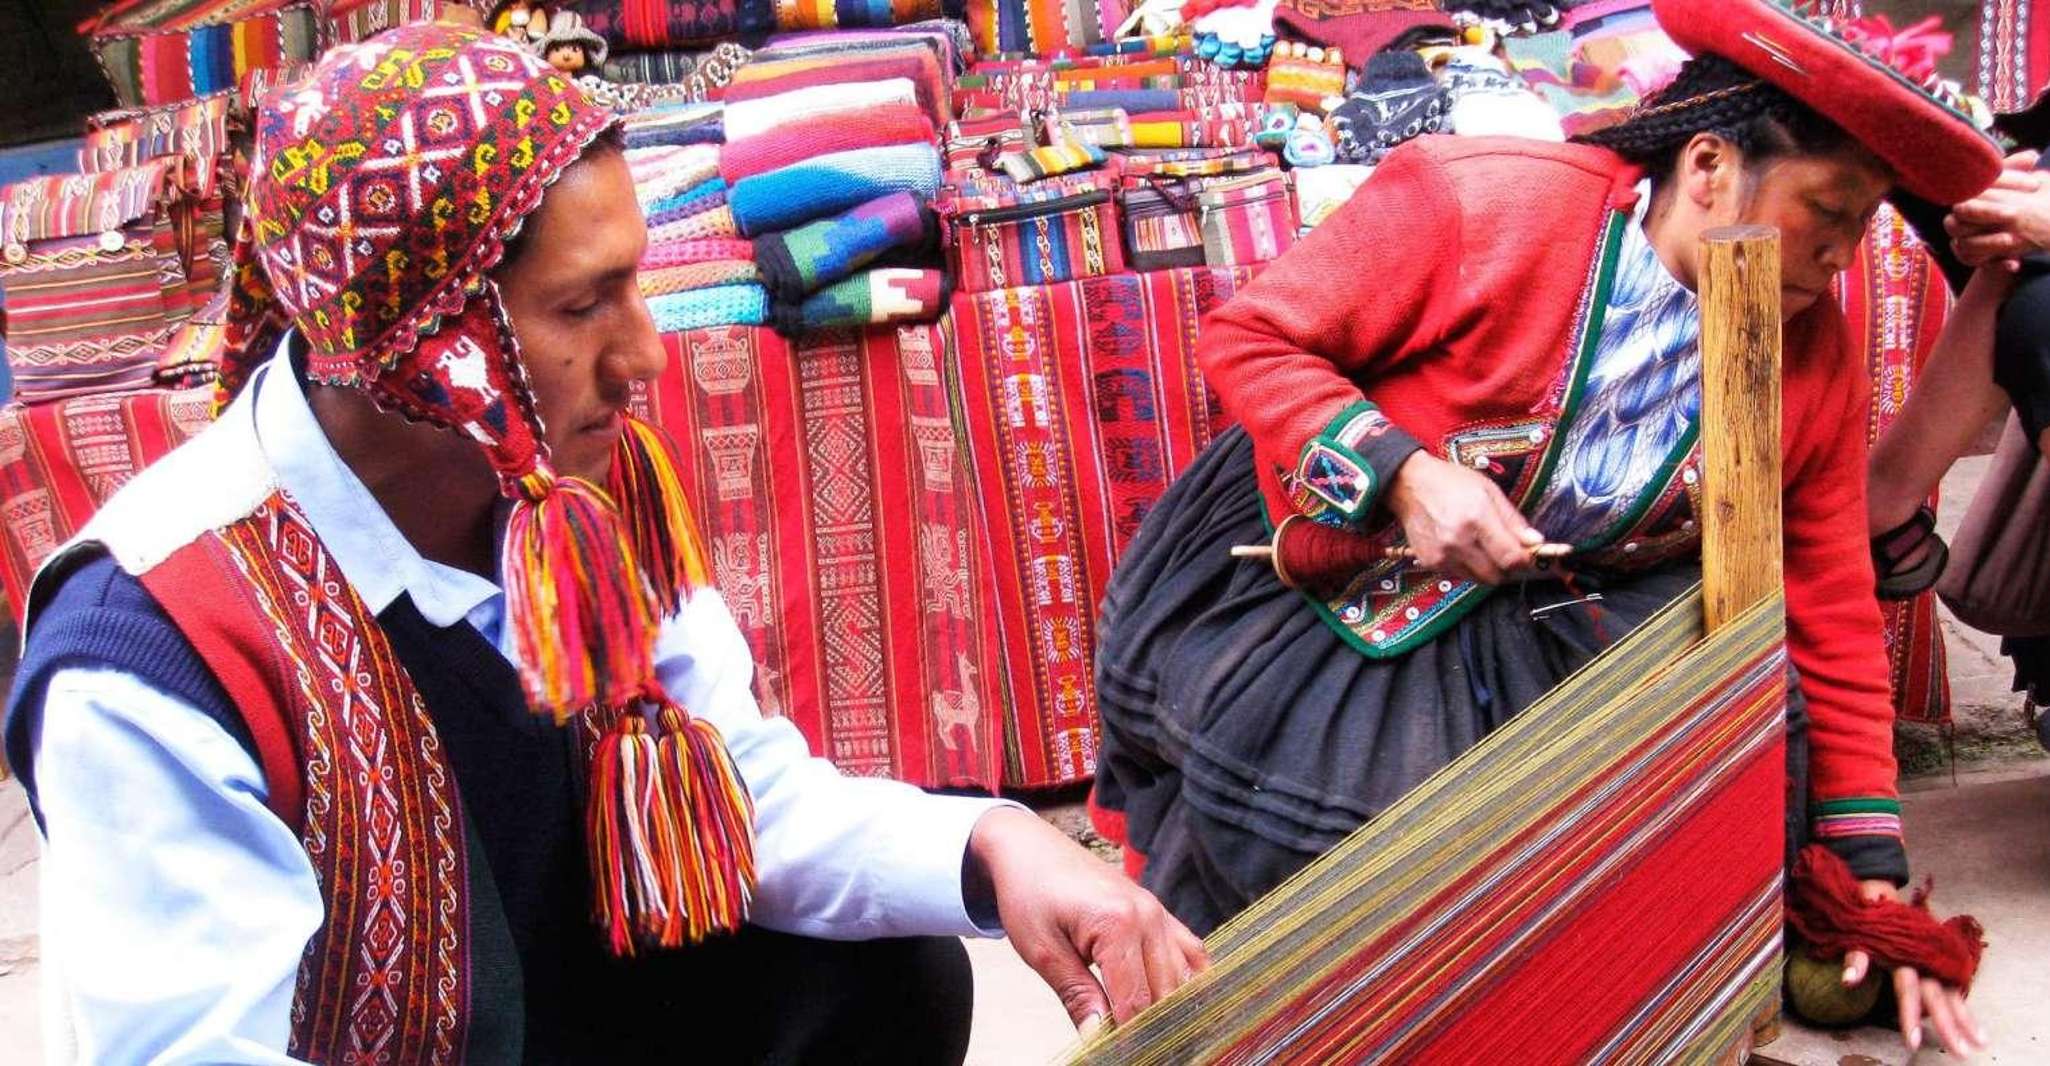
(1878, 92)
(383, 188)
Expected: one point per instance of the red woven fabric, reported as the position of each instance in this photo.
(1082, 402)
(60, 461)
(841, 531)
(1895, 303)
(1825, 909)
(763, 152)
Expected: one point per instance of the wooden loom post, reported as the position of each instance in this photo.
(1740, 420)
(1741, 561)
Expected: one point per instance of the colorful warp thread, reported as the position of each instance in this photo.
(353, 20)
(1596, 881)
(675, 126)
(714, 221)
(829, 184)
(1896, 303)
(1080, 402)
(705, 275)
(747, 118)
(804, 260)
(841, 527)
(59, 461)
(888, 124)
(663, 173)
(718, 305)
(877, 297)
(855, 14)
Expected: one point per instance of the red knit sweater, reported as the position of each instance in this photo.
(1445, 292)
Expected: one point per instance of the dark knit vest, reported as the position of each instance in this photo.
(542, 988)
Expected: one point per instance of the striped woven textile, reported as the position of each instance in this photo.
(60, 461)
(195, 129)
(164, 51)
(1597, 881)
(1896, 302)
(94, 279)
(1080, 403)
(841, 525)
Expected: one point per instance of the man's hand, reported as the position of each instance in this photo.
(1065, 909)
(1920, 996)
(1458, 521)
(2007, 221)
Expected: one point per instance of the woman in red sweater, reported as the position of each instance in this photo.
(1493, 346)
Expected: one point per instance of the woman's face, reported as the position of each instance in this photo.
(1821, 205)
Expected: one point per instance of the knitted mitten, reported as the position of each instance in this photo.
(1397, 100)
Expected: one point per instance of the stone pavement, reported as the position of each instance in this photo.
(19, 1025)
(1986, 842)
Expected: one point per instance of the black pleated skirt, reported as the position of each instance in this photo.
(1242, 736)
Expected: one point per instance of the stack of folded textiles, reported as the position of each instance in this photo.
(696, 271)
(831, 154)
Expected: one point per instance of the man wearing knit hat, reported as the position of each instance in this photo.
(278, 709)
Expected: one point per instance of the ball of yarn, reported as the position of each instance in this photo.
(1816, 992)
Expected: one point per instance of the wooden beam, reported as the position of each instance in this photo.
(1740, 420)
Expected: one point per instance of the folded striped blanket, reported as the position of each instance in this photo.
(663, 172)
(885, 125)
(874, 298)
(747, 118)
(715, 221)
(699, 250)
(812, 257)
(676, 124)
(721, 305)
(832, 183)
(705, 275)
(913, 62)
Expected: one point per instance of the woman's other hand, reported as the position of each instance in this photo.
(1458, 522)
(1920, 997)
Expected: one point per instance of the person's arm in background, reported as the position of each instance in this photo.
(1953, 399)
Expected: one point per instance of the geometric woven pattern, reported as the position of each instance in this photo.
(1082, 402)
(839, 521)
(386, 976)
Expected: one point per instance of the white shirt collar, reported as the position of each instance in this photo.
(374, 556)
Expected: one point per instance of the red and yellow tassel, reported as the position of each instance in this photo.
(670, 829)
(659, 522)
(581, 617)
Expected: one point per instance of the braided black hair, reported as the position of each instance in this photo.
(1714, 95)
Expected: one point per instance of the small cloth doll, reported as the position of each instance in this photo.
(572, 48)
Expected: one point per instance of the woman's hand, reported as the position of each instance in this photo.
(1458, 522)
(2007, 221)
(1919, 996)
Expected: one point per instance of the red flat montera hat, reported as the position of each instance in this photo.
(1934, 148)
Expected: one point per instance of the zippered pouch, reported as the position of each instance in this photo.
(1247, 222)
(1034, 242)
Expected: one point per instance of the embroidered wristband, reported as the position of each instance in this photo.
(1342, 470)
(1866, 833)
